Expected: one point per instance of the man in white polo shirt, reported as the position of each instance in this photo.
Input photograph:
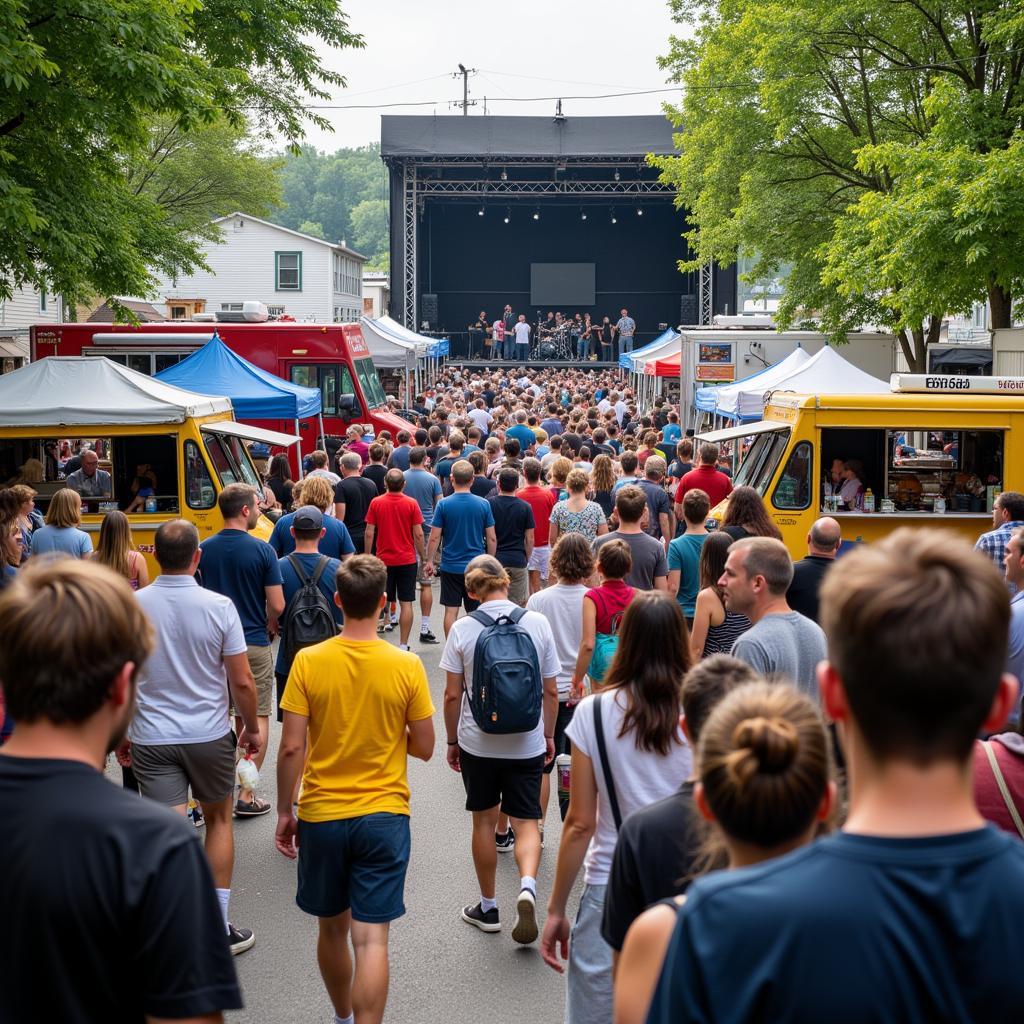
(181, 733)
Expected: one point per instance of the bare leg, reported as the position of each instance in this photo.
(370, 987)
(485, 856)
(545, 795)
(404, 621)
(335, 960)
(502, 826)
(450, 615)
(426, 601)
(534, 580)
(527, 849)
(220, 841)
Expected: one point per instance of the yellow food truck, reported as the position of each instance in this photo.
(934, 451)
(178, 448)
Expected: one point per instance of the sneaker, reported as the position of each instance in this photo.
(240, 939)
(485, 920)
(525, 929)
(428, 638)
(380, 625)
(390, 627)
(253, 808)
(505, 841)
(195, 814)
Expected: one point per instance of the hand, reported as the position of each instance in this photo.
(428, 569)
(549, 750)
(249, 741)
(123, 753)
(576, 691)
(554, 942)
(286, 835)
(454, 758)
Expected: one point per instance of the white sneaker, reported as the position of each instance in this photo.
(525, 929)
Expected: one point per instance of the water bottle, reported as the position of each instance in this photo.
(248, 774)
(869, 501)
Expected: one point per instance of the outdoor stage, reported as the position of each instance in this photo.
(482, 207)
(481, 365)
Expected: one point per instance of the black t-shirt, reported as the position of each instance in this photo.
(109, 909)
(488, 395)
(574, 441)
(282, 491)
(482, 487)
(356, 492)
(654, 858)
(512, 518)
(376, 471)
(808, 574)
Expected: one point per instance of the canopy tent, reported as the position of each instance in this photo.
(825, 373)
(254, 393)
(630, 360)
(724, 399)
(667, 367)
(391, 345)
(85, 390)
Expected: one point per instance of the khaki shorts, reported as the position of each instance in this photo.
(519, 586)
(261, 664)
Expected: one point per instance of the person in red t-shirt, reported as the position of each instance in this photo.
(397, 522)
(705, 477)
(542, 500)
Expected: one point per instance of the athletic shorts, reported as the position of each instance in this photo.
(165, 771)
(519, 586)
(402, 582)
(453, 592)
(355, 864)
(562, 744)
(512, 782)
(539, 560)
(261, 664)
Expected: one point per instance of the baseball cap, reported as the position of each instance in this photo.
(309, 517)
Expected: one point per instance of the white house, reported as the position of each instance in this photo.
(17, 314)
(291, 273)
(376, 293)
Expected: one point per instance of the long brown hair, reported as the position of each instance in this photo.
(115, 544)
(602, 476)
(652, 657)
(746, 509)
(713, 554)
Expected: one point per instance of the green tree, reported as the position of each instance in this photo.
(312, 227)
(83, 83)
(370, 230)
(804, 129)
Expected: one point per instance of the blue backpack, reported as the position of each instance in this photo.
(507, 685)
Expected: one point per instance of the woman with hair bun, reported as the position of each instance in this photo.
(765, 784)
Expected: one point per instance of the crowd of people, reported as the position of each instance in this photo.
(773, 775)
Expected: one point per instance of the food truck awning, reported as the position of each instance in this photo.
(250, 433)
(748, 429)
(84, 390)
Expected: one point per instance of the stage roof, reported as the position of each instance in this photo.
(404, 135)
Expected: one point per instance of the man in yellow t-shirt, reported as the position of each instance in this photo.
(363, 707)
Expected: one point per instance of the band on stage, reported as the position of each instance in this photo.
(553, 336)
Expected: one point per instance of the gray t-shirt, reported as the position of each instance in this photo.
(648, 557)
(787, 645)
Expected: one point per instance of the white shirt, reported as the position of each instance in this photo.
(522, 332)
(459, 651)
(183, 687)
(482, 418)
(620, 410)
(562, 606)
(640, 776)
(603, 406)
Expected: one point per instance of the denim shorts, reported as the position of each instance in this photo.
(355, 864)
(588, 997)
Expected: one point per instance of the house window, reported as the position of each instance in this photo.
(42, 302)
(177, 312)
(288, 271)
(231, 307)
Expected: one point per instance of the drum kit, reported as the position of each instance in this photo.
(556, 345)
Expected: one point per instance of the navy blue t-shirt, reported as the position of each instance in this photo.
(854, 929)
(400, 458)
(463, 519)
(240, 567)
(328, 586)
(512, 518)
(337, 541)
(523, 434)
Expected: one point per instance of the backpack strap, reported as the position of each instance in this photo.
(1003, 788)
(602, 756)
(483, 618)
(293, 561)
(516, 615)
(321, 568)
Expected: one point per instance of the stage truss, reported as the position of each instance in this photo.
(542, 179)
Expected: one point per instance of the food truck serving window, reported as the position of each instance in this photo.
(758, 465)
(199, 489)
(370, 382)
(231, 461)
(794, 489)
(133, 474)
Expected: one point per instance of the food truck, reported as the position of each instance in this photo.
(934, 451)
(184, 446)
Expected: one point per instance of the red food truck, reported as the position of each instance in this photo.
(331, 357)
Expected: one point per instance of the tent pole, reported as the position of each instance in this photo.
(323, 434)
(298, 447)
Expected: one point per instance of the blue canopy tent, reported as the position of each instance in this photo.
(255, 394)
(627, 360)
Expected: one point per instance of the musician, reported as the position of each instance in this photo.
(508, 318)
(500, 340)
(547, 327)
(479, 332)
(605, 334)
(588, 333)
(624, 331)
(580, 340)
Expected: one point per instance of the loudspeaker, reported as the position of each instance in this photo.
(428, 308)
(688, 311)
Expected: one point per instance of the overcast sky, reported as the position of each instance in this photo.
(526, 48)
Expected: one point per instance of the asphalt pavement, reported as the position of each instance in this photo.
(442, 970)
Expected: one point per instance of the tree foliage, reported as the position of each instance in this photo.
(83, 83)
(345, 192)
(871, 143)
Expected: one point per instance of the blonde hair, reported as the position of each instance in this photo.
(115, 544)
(31, 472)
(602, 476)
(316, 490)
(65, 508)
(559, 470)
(23, 493)
(485, 575)
(577, 481)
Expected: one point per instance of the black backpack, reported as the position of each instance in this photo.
(507, 684)
(309, 617)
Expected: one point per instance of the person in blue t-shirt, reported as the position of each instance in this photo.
(307, 534)
(671, 433)
(336, 541)
(466, 525)
(245, 569)
(913, 911)
(425, 489)
(522, 433)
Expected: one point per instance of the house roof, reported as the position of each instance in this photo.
(143, 311)
(290, 231)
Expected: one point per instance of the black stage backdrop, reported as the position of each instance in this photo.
(475, 263)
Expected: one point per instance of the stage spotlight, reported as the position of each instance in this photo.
(583, 214)
(615, 220)
(617, 177)
(504, 174)
(480, 212)
(639, 211)
(536, 214)
(508, 214)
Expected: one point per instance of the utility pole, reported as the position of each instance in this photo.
(466, 104)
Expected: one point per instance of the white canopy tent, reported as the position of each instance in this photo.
(825, 373)
(392, 346)
(724, 399)
(85, 390)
